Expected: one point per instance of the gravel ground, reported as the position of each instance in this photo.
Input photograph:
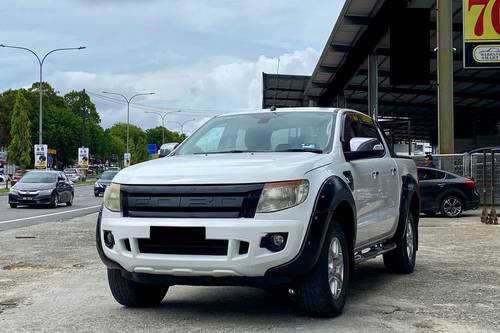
(52, 280)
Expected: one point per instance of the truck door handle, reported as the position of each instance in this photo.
(393, 171)
(375, 174)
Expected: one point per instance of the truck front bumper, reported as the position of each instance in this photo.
(128, 233)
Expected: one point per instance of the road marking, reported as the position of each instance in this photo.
(52, 214)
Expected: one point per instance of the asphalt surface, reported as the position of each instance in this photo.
(84, 203)
(51, 280)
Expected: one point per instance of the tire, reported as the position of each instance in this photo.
(452, 206)
(13, 205)
(133, 294)
(319, 293)
(55, 200)
(70, 202)
(96, 194)
(402, 259)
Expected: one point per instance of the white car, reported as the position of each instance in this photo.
(287, 199)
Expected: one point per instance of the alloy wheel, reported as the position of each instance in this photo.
(335, 267)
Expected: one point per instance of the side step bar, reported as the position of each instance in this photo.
(374, 251)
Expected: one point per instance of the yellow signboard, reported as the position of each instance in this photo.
(481, 33)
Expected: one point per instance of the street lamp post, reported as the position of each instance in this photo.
(162, 115)
(40, 62)
(128, 100)
(181, 124)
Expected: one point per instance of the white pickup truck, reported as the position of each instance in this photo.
(289, 199)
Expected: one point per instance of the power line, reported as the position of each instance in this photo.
(187, 111)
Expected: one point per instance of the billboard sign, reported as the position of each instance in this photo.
(126, 160)
(41, 156)
(83, 158)
(481, 33)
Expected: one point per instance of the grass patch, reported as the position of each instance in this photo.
(4, 190)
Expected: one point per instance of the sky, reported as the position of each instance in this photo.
(202, 57)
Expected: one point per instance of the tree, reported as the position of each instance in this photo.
(20, 146)
(137, 141)
(154, 135)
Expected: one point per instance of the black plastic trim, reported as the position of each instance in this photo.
(409, 190)
(333, 191)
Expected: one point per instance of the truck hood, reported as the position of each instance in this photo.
(237, 168)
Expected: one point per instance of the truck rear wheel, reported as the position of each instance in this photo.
(323, 292)
(133, 294)
(401, 260)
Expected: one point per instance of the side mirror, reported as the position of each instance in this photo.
(363, 147)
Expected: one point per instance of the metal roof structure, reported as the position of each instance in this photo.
(342, 70)
(283, 90)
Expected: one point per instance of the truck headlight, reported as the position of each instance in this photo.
(112, 199)
(282, 195)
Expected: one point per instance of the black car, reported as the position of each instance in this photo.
(103, 182)
(445, 192)
(42, 188)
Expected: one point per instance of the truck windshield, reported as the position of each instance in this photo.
(263, 132)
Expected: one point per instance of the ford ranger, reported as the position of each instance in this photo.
(290, 199)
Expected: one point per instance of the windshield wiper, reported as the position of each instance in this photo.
(234, 151)
(307, 150)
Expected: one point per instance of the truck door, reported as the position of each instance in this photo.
(366, 156)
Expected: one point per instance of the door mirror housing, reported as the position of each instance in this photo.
(364, 147)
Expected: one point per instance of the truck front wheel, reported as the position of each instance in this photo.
(401, 260)
(133, 294)
(323, 292)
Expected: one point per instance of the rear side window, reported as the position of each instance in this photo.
(430, 174)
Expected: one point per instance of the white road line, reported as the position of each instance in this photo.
(52, 214)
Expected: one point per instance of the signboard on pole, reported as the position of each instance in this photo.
(152, 149)
(481, 33)
(126, 160)
(83, 158)
(41, 156)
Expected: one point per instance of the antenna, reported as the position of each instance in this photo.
(273, 107)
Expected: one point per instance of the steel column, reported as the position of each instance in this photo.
(373, 85)
(445, 77)
(341, 103)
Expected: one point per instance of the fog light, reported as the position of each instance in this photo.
(109, 240)
(274, 242)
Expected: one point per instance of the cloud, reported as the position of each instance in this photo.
(202, 90)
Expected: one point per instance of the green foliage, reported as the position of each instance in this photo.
(63, 127)
(154, 135)
(19, 152)
(137, 141)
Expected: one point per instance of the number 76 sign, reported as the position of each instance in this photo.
(481, 33)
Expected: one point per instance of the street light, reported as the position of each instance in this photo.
(40, 62)
(128, 100)
(183, 123)
(162, 116)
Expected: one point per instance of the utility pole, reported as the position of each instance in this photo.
(162, 115)
(84, 116)
(181, 124)
(446, 135)
(40, 89)
(128, 100)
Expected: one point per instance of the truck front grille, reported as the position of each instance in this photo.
(191, 201)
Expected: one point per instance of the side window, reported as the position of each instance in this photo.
(429, 174)
(362, 136)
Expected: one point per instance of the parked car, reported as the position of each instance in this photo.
(4, 178)
(73, 174)
(167, 148)
(113, 168)
(289, 199)
(103, 182)
(42, 187)
(446, 193)
(17, 176)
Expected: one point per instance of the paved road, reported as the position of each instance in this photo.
(84, 203)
